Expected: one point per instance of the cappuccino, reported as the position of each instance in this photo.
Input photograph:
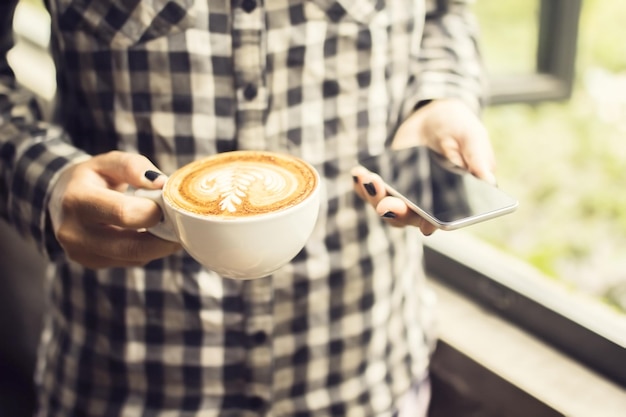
(240, 184)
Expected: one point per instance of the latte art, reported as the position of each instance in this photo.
(258, 185)
(240, 184)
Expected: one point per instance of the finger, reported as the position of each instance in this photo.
(451, 150)
(483, 168)
(95, 261)
(104, 206)
(478, 153)
(426, 227)
(369, 185)
(374, 189)
(107, 246)
(142, 246)
(395, 211)
(357, 181)
(129, 168)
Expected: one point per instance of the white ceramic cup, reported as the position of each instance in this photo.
(243, 247)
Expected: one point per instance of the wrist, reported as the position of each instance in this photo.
(58, 187)
(420, 104)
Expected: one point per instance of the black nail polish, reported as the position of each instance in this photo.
(151, 175)
(371, 190)
(389, 215)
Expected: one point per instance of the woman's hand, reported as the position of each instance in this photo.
(371, 188)
(449, 127)
(99, 225)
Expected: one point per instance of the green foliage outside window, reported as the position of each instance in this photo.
(566, 161)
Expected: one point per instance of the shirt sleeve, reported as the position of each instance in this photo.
(447, 62)
(32, 152)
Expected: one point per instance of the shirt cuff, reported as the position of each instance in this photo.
(37, 169)
(58, 185)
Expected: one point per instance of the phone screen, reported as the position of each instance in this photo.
(444, 194)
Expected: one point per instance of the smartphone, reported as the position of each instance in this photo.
(444, 194)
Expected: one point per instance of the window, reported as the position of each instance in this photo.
(559, 97)
(540, 37)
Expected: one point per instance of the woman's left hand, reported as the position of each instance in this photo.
(447, 126)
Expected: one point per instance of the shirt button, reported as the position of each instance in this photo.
(248, 5)
(259, 337)
(250, 91)
(255, 402)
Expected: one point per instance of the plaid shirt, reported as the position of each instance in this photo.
(341, 329)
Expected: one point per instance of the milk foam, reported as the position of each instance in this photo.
(240, 184)
(259, 185)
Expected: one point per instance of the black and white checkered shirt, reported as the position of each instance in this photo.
(340, 330)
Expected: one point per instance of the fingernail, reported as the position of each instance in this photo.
(492, 179)
(151, 175)
(389, 215)
(371, 190)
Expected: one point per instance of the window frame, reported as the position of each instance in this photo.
(577, 329)
(590, 333)
(554, 61)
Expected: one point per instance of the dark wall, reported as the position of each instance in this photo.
(21, 306)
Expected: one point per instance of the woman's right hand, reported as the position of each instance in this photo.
(100, 226)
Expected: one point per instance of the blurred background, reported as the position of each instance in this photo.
(564, 159)
(557, 119)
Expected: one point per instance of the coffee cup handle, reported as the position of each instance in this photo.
(165, 228)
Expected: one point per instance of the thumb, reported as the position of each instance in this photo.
(486, 174)
(481, 163)
(128, 168)
(478, 153)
